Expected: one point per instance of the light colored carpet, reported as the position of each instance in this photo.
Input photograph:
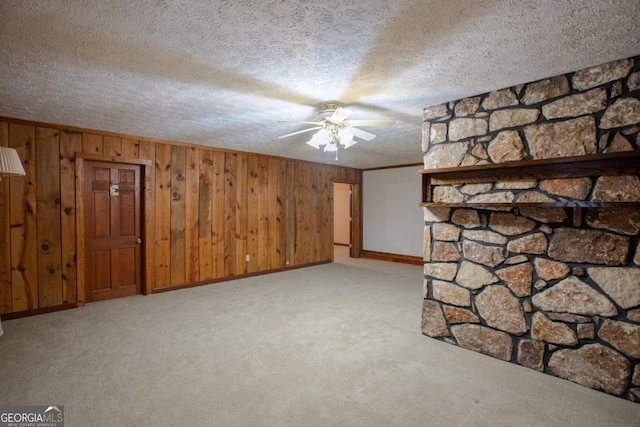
(331, 345)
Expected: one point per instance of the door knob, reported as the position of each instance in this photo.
(139, 241)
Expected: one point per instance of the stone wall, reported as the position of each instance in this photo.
(552, 289)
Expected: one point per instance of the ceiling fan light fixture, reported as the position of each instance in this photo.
(319, 138)
(335, 131)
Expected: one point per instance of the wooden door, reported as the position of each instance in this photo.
(112, 230)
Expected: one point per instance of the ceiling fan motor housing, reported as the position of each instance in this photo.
(327, 110)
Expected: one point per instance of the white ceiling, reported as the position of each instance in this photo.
(224, 73)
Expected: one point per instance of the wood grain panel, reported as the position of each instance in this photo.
(230, 206)
(70, 143)
(273, 201)
(218, 220)
(241, 214)
(280, 240)
(112, 146)
(290, 212)
(162, 236)
(92, 143)
(252, 213)
(325, 188)
(312, 205)
(5, 232)
(300, 220)
(262, 208)
(192, 179)
(356, 226)
(24, 260)
(178, 190)
(147, 151)
(48, 214)
(303, 211)
(81, 259)
(130, 148)
(205, 196)
(328, 212)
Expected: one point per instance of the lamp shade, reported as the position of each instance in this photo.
(10, 164)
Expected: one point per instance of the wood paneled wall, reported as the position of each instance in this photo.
(208, 209)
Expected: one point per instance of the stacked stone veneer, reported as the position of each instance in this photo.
(553, 289)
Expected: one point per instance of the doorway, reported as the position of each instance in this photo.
(351, 195)
(112, 230)
(342, 214)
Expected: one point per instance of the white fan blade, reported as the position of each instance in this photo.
(318, 139)
(340, 114)
(295, 121)
(300, 131)
(346, 138)
(385, 122)
(363, 134)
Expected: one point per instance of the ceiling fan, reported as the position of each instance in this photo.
(335, 130)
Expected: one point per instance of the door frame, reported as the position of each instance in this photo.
(146, 210)
(355, 225)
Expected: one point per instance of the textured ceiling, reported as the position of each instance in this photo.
(224, 73)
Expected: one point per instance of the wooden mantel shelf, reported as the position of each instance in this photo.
(610, 164)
